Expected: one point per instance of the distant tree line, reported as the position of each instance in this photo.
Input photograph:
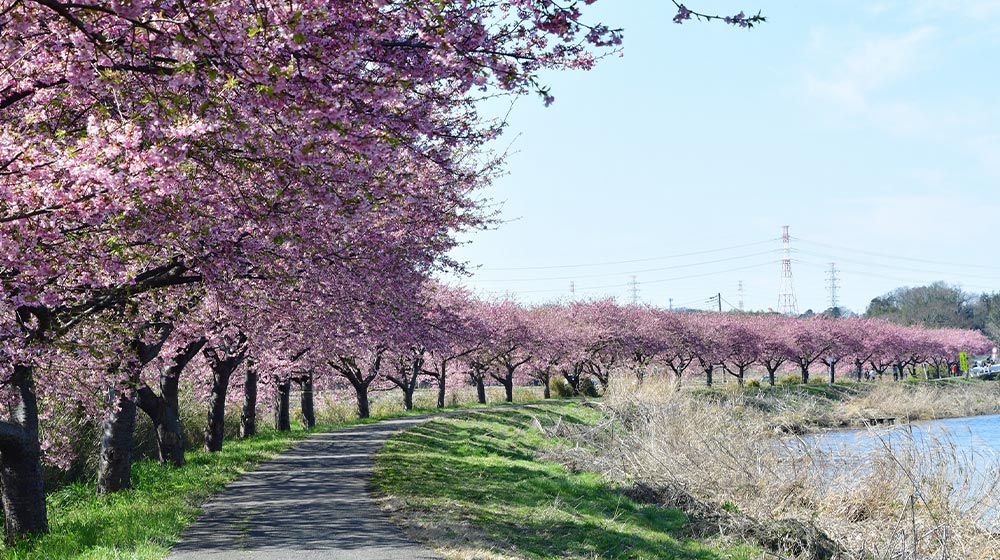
(939, 305)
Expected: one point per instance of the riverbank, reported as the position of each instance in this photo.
(651, 472)
(800, 409)
(473, 487)
(732, 449)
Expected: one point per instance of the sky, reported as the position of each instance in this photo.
(871, 129)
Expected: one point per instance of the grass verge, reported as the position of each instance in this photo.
(473, 488)
(144, 521)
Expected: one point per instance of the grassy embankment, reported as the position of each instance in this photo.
(474, 487)
(804, 408)
(144, 521)
(491, 485)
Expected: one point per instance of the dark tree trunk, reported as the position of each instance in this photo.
(805, 372)
(306, 400)
(248, 417)
(708, 375)
(216, 427)
(441, 387)
(574, 377)
(771, 369)
(282, 415)
(164, 409)
(508, 388)
(602, 376)
(833, 372)
(115, 465)
(858, 366)
(166, 421)
(235, 352)
(20, 464)
(408, 369)
(364, 410)
(480, 390)
(546, 379)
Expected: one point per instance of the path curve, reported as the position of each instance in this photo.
(309, 502)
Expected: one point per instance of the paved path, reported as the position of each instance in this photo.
(309, 502)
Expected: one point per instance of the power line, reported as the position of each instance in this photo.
(604, 275)
(889, 266)
(896, 257)
(657, 281)
(649, 259)
(731, 306)
(903, 281)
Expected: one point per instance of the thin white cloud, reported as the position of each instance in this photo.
(849, 81)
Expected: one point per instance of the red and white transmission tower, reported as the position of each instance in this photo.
(787, 305)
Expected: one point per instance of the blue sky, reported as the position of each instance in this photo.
(872, 129)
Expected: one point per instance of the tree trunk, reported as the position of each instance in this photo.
(574, 378)
(480, 390)
(248, 417)
(833, 371)
(546, 390)
(306, 400)
(508, 387)
(805, 372)
(20, 464)
(164, 409)
(216, 427)
(408, 397)
(770, 373)
(115, 466)
(708, 375)
(166, 421)
(441, 388)
(282, 416)
(222, 371)
(364, 410)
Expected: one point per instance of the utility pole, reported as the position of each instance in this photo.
(739, 302)
(832, 284)
(671, 300)
(572, 289)
(787, 304)
(718, 298)
(635, 290)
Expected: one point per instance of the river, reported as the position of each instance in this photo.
(966, 451)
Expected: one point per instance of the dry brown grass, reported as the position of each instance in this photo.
(907, 498)
(925, 401)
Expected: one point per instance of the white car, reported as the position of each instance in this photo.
(982, 368)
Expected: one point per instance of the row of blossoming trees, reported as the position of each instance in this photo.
(230, 182)
(237, 197)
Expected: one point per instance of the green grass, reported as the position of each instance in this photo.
(144, 521)
(477, 476)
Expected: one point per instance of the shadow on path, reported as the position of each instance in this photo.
(309, 502)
